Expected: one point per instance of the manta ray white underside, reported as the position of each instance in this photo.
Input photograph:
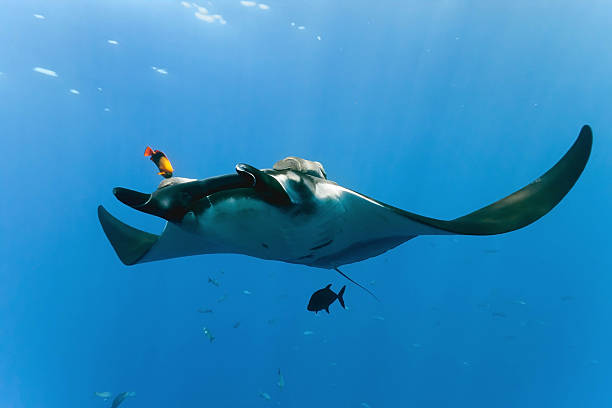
(292, 213)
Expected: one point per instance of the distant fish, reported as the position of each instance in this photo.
(520, 302)
(247, 292)
(222, 298)
(323, 298)
(161, 161)
(281, 380)
(236, 325)
(567, 298)
(120, 397)
(104, 395)
(205, 310)
(271, 321)
(265, 396)
(213, 281)
(378, 318)
(499, 314)
(491, 251)
(364, 405)
(308, 332)
(208, 334)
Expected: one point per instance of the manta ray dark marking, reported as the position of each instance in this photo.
(292, 213)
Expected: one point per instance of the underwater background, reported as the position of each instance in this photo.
(436, 107)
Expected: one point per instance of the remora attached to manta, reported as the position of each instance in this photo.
(292, 213)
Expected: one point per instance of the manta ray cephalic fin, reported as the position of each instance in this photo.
(266, 184)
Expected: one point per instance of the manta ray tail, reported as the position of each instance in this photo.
(361, 286)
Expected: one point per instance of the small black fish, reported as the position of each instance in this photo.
(322, 298)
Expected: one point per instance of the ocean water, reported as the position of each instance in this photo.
(437, 107)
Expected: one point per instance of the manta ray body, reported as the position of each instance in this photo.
(292, 213)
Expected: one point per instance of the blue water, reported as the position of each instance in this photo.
(437, 107)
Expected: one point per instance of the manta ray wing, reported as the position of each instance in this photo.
(134, 246)
(129, 243)
(520, 208)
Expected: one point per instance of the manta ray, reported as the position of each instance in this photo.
(293, 213)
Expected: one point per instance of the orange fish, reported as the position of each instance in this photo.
(161, 161)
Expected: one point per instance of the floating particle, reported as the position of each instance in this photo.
(46, 71)
(160, 70)
(205, 17)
